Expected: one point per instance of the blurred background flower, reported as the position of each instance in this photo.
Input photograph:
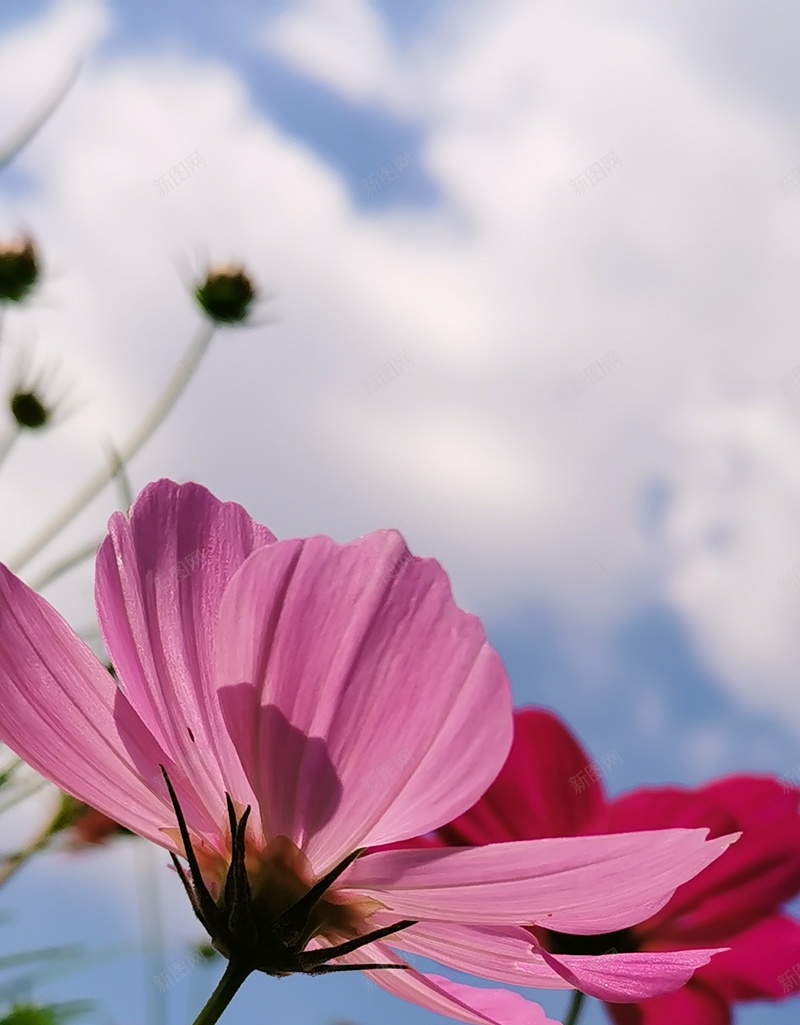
(550, 787)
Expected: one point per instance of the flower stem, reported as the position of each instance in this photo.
(86, 551)
(69, 562)
(143, 432)
(8, 442)
(27, 132)
(14, 862)
(574, 1008)
(226, 990)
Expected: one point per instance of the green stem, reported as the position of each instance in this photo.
(143, 432)
(574, 1008)
(226, 990)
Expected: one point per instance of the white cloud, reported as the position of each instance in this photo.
(342, 44)
(682, 262)
(733, 534)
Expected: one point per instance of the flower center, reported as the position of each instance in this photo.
(263, 909)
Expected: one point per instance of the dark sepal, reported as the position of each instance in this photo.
(310, 959)
(293, 920)
(206, 906)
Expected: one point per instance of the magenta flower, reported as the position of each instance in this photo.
(284, 705)
(547, 788)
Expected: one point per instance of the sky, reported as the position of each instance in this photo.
(529, 296)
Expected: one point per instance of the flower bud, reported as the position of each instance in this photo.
(30, 410)
(19, 269)
(226, 294)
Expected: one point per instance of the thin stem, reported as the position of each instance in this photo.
(7, 773)
(88, 550)
(27, 132)
(65, 565)
(143, 432)
(8, 443)
(21, 795)
(15, 861)
(575, 1007)
(122, 479)
(225, 992)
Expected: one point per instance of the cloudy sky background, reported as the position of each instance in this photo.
(624, 544)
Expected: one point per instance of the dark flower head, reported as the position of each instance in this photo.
(19, 269)
(31, 403)
(30, 410)
(226, 294)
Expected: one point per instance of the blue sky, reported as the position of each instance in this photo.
(676, 472)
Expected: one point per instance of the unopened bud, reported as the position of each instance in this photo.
(19, 269)
(226, 294)
(30, 410)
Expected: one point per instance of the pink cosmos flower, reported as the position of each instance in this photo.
(283, 705)
(546, 789)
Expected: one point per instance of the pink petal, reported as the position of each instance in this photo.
(629, 978)
(366, 672)
(692, 1005)
(577, 885)
(502, 953)
(511, 955)
(63, 715)
(750, 882)
(532, 797)
(435, 993)
(160, 580)
(758, 959)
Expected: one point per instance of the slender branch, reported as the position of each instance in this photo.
(8, 443)
(122, 479)
(574, 1007)
(24, 136)
(88, 550)
(7, 773)
(145, 430)
(66, 564)
(15, 861)
(21, 795)
(225, 992)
